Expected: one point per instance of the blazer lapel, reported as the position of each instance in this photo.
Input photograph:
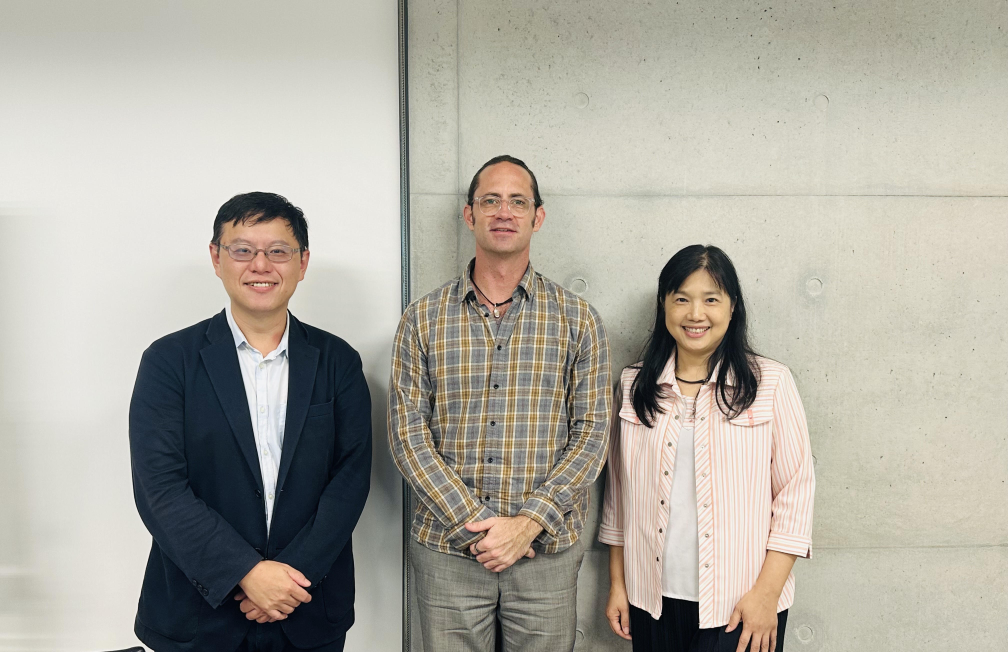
(303, 359)
(221, 360)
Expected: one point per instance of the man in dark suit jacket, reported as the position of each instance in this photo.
(250, 437)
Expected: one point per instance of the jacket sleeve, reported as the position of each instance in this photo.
(411, 399)
(792, 477)
(196, 538)
(588, 422)
(314, 549)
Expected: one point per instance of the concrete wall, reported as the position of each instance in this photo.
(123, 127)
(852, 158)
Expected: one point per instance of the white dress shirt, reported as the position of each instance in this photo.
(265, 379)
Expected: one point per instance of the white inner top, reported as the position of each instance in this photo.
(681, 568)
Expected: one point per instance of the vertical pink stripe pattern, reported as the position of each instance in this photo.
(755, 488)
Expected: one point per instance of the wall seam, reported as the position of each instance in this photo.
(731, 195)
(404, 235)
(458, 130)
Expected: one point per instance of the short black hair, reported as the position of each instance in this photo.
(504, 158)
(255, 207)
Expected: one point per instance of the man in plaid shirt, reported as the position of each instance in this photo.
(499, 406)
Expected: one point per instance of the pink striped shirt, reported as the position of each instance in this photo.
(754, 483)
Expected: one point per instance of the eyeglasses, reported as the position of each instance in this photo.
(275, 253)
(490, 205)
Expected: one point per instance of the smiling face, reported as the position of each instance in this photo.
(259, 289)
(503, 235)
(697, 315)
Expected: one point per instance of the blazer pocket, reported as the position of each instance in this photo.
(320, 409)
(338, 587)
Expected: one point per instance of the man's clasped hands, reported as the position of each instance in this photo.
(271, 591)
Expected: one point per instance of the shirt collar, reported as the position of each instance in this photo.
(239, 337)
(526, 284)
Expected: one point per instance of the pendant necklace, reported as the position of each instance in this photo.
(496, 306)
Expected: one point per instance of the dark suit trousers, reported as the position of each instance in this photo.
(269, 637)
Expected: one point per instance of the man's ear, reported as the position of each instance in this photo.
(467, 217)
(538, 217)
(215, 257)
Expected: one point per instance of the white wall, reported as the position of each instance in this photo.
(123, 127)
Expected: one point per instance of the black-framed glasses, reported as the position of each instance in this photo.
(490, 205)
(275, 253)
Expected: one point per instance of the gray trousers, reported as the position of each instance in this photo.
(460, 602)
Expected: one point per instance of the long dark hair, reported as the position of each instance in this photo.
(734, 353)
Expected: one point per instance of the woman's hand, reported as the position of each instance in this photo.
(618, 611)
(758, 609)
(758, 612)
(618, 607)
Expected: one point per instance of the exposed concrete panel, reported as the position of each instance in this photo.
(901, 599)
(435, 220)
(895, 353)
(433, 96)
(770, 97)
(653, 125)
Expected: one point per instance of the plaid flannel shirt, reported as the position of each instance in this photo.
(499, 422)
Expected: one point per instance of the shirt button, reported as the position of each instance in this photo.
(498, 347)
(659, 530)
(676, 417)
(705, 505)
(703, 475)
(493, 423)
(262, 365)
(707, 536)
(702, 418)
(262, 409)
(486, 498)
(657, 559)
(663, 502)
(670, 443)
(666, 473)
(706, 565)
(496, 386)
(270, 496)
(266, 452)
(490, 459)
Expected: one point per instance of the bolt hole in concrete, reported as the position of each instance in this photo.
(814, 286)
(821, 102)
(578, 285)
(804, 634)
(581, 100)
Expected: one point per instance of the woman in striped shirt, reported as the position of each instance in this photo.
(710, 482)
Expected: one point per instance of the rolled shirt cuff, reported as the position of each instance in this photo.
(791, 544)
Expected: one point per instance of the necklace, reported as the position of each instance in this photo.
(692, 382)
(496, 312)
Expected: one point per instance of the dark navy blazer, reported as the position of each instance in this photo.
(198, 486)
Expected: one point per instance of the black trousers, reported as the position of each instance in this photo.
(269, 637)
(678, 630)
